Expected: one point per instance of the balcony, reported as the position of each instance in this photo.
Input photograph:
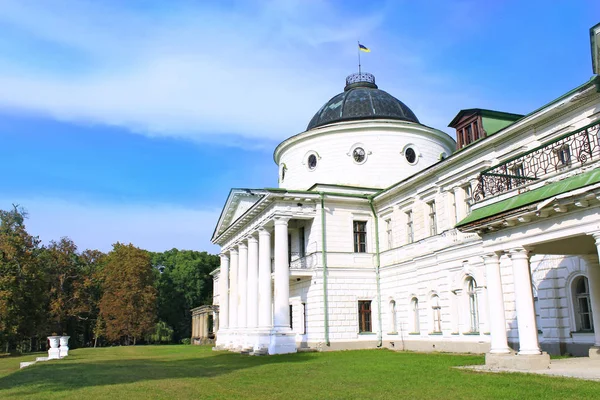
(573, 150)
(308, 261)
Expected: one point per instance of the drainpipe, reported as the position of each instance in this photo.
(377, 280)
(324, 262)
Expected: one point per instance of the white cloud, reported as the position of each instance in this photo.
(257, 72)
(97, 226)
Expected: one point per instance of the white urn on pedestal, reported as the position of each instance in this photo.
(54, 351)
(64, 346)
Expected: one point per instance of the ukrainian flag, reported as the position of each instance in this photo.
(364, 48)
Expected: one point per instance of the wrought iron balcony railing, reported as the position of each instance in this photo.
(571, 150)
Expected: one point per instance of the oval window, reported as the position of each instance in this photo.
(359, 155)
(312, 161)
(411, 155)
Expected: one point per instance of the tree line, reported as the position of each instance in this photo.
(126, 296)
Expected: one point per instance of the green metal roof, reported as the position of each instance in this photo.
(533, 196)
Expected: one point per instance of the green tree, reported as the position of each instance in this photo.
(128, 304)
(22, 280)
(185, 283)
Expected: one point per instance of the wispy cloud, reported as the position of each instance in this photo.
(97, 226)
(250, 71)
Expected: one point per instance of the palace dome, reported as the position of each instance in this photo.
(361, 99)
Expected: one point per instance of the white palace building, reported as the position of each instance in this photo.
(385, 232)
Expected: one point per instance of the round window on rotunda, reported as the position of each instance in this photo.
(411, 155)
(359, 155)
(312, 162)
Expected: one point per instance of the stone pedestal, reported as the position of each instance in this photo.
(594, 352)
(282, 343)
(54, 351)
(64, 346)
(521, 362)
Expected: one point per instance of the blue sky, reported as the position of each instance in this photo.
(130, 121)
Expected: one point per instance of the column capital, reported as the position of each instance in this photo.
(233, 250)
(491, 256)
(518, 253)
(596, 236)
(242, 245)
(262, 231)
(252, 238)
(224, 255)
(281, 220)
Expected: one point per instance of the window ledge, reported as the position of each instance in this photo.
(392, 333)
(582, 335)
(414, 333)
(471, 333)
(435, 333)
(366, 333)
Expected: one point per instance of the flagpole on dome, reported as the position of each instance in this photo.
(358, 50)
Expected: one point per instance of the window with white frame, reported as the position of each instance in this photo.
(563, 156)
(389, 233)
(473, 307)
(393, 320)
(581, 301)
(453, 205)
(432, 218)
(364, 316)
(436, 314)
(468, 198)
(410, 234)
(414, 308)
(360, 236)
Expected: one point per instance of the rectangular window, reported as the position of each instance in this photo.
(410, 237)
(388, 231)
(290, 249)
(476, 130)
(360, 236)
(291, 317)
(564, 156)
(364, 316)
(432, 219)
(302, 243)
(304, 317)
(469, 134)
(467, 199)
(453, 206)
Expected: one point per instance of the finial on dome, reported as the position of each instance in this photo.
(361, 79)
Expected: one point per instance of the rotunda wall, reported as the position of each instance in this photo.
(384, 145)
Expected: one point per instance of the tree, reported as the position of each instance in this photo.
(22, 279)
(128, 304)
(185, 283)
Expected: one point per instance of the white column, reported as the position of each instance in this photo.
(459, 198)
(594, 283)
(528, 335)
(281, 309)
(224, 292)
(242, 286)
(497, 317)
(252, 295)
(265, 319)
(233, 277)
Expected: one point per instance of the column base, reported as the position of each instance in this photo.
(53, 354)
(222, 340)
(594, 352)
(521, 362)
(282, 342)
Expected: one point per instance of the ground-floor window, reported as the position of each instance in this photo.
(436, 313)
(364, 316)
(473, 307)
(414, 305)
(291, 317)
(583, 310)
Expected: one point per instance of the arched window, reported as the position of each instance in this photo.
(581, 301)
(473, 311)
(393, 328)
(414, 306)
(436, 314)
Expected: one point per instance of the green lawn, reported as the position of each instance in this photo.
(182, 372)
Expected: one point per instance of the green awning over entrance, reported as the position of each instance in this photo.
(533, 196)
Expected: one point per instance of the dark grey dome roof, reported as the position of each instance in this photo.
(361, 99)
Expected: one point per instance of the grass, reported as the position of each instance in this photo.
(181, 372)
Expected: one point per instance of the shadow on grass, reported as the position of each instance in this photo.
(78, 372)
